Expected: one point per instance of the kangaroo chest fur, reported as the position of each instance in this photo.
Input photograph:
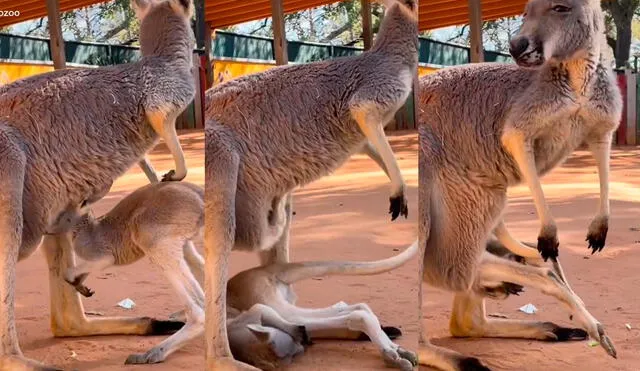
(477, 100)
(592, 113)
(80, 130)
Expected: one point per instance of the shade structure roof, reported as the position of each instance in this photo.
(223, 13)
(433, 13)
(443, 13)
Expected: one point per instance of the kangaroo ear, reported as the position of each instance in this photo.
(262, 333)
(183, 6)
(411, 4)
(387, 3)
(64, 222)
(141, 8)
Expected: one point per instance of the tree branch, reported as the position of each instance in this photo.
(335, 33)
(114, 31)
(35, 28)
(263, 26)
(460, 33)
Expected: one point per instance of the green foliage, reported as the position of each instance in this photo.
(338, 23)
(115, 22)
(495, 34)
(110, 22)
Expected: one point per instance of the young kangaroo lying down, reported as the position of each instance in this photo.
(270, 286)
(160, 220)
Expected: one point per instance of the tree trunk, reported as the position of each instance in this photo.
(622, 13)
(623, 42)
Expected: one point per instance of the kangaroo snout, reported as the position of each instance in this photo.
(517, 46)
(526, 52)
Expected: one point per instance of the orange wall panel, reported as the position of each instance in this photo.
(10, 72)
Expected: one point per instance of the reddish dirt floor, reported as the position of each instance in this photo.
(343, 216)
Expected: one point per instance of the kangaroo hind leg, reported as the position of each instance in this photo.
(168, 255)
(12, 178)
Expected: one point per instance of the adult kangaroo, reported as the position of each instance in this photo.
(486, 127)
(64, 137)
(270, 132)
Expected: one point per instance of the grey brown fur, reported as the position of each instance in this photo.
(265, 328)
(158, 221)
(270, 132)
(267, 289)
(68, 134)
(486, 127)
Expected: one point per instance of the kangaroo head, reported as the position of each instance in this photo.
(409, 6)
(558, 30)
(273, 347)
(165, 26)
(73, 219)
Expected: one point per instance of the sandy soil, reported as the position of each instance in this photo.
(344, 217)
(339, 217)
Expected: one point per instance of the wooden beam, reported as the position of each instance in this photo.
(475, 29)
(367, 27)
(279, 34)
(56, 41)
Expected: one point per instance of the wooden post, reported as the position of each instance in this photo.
(475, 28)
(416, 91)
(367, 27)
(279, 35)
(56, 43)
(208, 43)
(197, 101)
(631, 108)
(201, 26)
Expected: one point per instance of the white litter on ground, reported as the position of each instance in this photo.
(628, 326)
(127, 303)
(528, 309)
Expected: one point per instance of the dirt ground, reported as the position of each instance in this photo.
(339, 217)
(344, 217)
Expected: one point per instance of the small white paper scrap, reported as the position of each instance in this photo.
(529, 309)
(628, 326)
(127, 303)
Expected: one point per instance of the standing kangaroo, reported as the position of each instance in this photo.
(65, 135)
(519, 122)
(270, 132)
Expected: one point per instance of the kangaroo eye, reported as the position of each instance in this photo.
(561, 9)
